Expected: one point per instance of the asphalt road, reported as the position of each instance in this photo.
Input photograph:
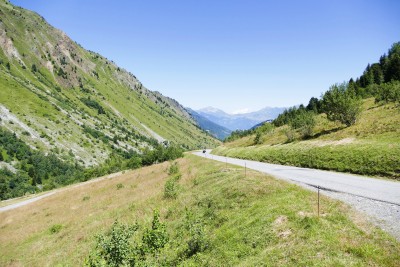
(367, 187)
(379, 199)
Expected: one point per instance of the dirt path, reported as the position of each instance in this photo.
(34, 199)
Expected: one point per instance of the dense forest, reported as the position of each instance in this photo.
(342, 102)
(33, 171)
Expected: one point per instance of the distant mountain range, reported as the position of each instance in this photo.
(213, 128)
(240, 121)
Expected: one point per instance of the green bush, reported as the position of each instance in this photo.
(304, 121)
(56, 228)
(341, 104)
(155, 238)
(115, 248)
(173, 169)
(389, 92)
(198, 241)
(171, 187)
(119, 247)
(257, 138)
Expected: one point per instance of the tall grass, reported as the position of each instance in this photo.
(219, 218)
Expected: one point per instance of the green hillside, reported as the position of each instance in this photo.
(62, 95)
(75, 106)
(354, 127)
(210, 215)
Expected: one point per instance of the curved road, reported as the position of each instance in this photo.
(378, 198)
(371, 188)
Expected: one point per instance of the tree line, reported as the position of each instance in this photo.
(342, 102)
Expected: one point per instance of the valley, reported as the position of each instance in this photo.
(96, 169)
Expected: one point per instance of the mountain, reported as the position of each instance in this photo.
(214, 129)
(59, 98)
(243, 121)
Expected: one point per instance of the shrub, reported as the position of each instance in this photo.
(56, 228)
(198, 241)
(118, 247)
(289, 134)
(120, 186)
(155, 238)
(173, 169)
(341, 104)
(33, 68)
(171, 187)
(134, 163)
(389, 92)
(304, 121)
(115, 247)
(257, 139)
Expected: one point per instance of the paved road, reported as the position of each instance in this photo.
(374, 189)
(377, 198)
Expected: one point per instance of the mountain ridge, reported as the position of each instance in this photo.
(242, 121)
(66, 98)
(213, 128)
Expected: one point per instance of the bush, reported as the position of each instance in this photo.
(289, 134)
(120, 186)
(134, 163)
(118, 247)
(115, 247)
(155, 238)
(94, 105)
(389, 92)
(198, 241)
(56, 228)
(258, 139)
(171, 187)
(173, 169)
(341, 104)
(304, 121)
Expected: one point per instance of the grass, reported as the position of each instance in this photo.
(218, 218)
(370, 147)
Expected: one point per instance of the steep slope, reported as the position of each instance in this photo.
(216, 130)
(59, 97)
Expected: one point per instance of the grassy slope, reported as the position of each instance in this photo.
(248, 221)
(371, 146)
(50, 104)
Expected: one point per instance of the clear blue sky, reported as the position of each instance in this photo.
(232, 54)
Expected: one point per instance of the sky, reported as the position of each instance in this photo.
(236, 55)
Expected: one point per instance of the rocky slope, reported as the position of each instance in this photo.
(59, 97)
